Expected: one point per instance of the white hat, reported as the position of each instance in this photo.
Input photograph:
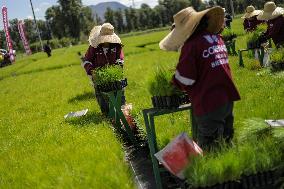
(186, 21)
(93, 37)
(251, 12)
(270, 11)
(107, 35)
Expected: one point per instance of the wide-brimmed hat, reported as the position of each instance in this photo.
(186, 21)
(107, 35)
(270, 11)
(94, 34)
(251, 12)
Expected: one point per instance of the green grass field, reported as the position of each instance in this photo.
(39, 149)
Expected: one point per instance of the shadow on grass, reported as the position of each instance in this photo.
(14, 74)
(145, 44)
(91, 117)
(82, 97)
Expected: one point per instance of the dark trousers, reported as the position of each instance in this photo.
(104, 102)
(214, 126)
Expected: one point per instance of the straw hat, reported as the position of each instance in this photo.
(107, 35)
(270, 11)
(251, 12)
(93, 37)
(186, 22)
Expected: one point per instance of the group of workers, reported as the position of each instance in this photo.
(203, 70)
(272, 15)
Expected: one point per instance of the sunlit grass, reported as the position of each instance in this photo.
(39, 149)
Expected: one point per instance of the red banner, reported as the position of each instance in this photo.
(21, 28)
(7, 34)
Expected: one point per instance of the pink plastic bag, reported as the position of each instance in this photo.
(176, 155)
(126, 109)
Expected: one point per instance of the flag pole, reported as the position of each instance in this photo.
(36, 25)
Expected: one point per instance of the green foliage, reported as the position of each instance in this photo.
(40, 149)
(160, 84)
(107, 74)
(228, 34)
(257, 149)
(277, 55)
(230, 163)
(253, 37)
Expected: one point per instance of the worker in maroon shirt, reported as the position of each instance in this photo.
(105, 49)
(250, 19)
(203, 72)
(275, 20)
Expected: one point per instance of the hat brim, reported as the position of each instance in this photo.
(176, 38)
(271, 15)
(108, 39)
(93, 37)
(252, 14)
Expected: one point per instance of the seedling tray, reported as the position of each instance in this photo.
(277, 66)
(112, 86)
(261, 180)
(169, 101)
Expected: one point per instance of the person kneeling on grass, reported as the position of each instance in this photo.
(105, 49)
(203, 72)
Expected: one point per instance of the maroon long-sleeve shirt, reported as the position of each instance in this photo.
(251, 24)
(204, 73)
(96, 57)
(275, 30)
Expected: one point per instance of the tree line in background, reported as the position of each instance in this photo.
(70, 21)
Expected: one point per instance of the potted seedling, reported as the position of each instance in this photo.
(254, 161)
(277, 59)
(109, 78)
(252, 40)
(164, 93)
(229, 39)
(228, 35)
(256, 38)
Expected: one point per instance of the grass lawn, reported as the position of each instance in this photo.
(39, 149)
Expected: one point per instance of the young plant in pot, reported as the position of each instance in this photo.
(109, 78)
(164, 93)
(277, 59)
(228, 35)
(256, 38)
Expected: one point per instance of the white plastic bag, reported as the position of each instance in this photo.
(176, 155)
(76, 114)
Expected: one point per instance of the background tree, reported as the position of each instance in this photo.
(71, 13)
(97, 19)
(3, 44)
(128, 20)
(87, 20)
(109, 16)
(118, 21)
(56, 21)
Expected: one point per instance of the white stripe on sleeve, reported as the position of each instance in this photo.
(86, 62)
(184, 80)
